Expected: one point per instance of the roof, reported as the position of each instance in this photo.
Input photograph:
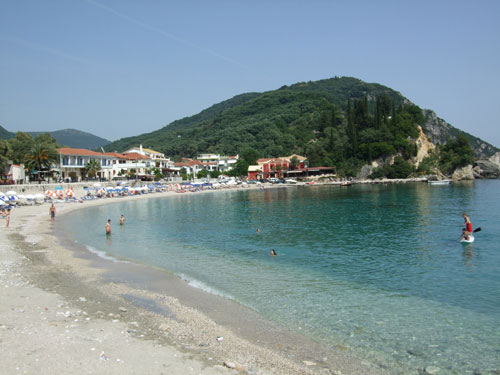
(271, 160)
(134, 156)
(254, 168)
(148, 150)
(77, 151)
(187, 163)
(298, 157)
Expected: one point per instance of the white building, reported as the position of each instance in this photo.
(72, 162)
(217, 162)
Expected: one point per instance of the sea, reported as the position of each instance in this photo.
(375, 270)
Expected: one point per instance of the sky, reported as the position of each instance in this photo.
(118, 68)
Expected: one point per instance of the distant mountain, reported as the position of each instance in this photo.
(67, 137)
(306, 118)
(75, 138)
(5, 134)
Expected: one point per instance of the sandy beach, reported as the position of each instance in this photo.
(65, 311)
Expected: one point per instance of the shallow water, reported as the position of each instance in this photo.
(374, 270)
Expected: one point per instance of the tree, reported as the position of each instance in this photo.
(92, 167)
(157, 173)
(41, 156)
(20, 146)
(4, 154)
(202, 174)
(455, 154)
(240, 169)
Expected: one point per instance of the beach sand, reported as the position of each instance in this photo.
(65, 311)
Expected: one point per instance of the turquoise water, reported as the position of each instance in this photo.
(375, 270)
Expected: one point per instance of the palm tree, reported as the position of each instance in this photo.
(92, 167)
(41, 156)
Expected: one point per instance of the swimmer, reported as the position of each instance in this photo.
(122, 220)
(108, 227)
(273, 253)
(258, 230)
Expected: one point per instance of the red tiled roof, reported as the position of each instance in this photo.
(77, 151)
(187, 163)
(134, 156)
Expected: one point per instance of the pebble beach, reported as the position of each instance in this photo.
(59, 314)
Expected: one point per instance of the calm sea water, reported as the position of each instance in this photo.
(374, 270)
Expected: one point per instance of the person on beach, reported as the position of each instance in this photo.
(52, 212)
(273, 253)
(258, 230)
(122, 220)
(7, 218)
(108, 227)
(467, 224)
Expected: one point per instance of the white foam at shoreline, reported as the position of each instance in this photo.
(201, 285)
(103, 255)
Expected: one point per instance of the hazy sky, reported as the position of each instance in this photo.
(118, 68)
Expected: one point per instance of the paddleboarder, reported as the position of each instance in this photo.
(467, 224)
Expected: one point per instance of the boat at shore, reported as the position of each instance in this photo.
(439, 182)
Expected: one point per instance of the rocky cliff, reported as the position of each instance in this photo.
(440, 132)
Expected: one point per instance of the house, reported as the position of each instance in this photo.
(191, 166)
(72, 162)
(216, 162)
(273, 167)
(158, 159)
(255, 172)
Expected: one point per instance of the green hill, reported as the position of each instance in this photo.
(5, 134)
(67, 137)
(75, 138)
(340, 121)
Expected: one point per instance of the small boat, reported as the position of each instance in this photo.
(439, 182)
(290, 181)
(470, 240)
(346, 183)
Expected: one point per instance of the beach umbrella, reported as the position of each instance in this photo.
(2, 194)
(109, 188)
(39, 196)
(59, 188)
(48, 192)
(30, 197)
(21, 196)
(70, 193)
(10, 193)
(97, 185)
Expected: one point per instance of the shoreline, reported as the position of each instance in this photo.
(91, 296)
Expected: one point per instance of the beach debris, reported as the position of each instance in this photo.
(234, 365)
(431, 370)
(309, 363)
(219, 338)
(122, 309)
(82, 299)
(103, 357)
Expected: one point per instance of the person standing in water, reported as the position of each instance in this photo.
(122, 220)
(108, 227)
(52, 212)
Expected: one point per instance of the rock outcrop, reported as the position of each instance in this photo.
(441, 132)
(465, 173)
(487, 169)
(424, 147)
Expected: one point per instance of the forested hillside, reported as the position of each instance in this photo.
(343, 122)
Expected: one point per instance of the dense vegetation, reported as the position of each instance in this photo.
(36, 154)
(342, 122)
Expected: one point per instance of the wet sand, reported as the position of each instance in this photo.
(65, 310)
